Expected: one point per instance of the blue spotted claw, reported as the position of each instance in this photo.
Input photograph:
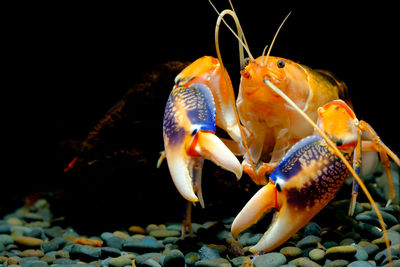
(306, 179)
(189, 138)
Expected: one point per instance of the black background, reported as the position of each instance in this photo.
(74, 61)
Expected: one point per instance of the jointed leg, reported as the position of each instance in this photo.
(384, 152)
(357, 168)
(187, 221)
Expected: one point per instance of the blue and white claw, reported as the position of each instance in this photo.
(189, 138)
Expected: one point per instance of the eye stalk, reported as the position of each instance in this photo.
(280, 64)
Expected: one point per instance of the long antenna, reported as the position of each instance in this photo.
(263, 63)
(239, 36)
(220, 17)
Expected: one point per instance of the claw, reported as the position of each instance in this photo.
(212, 148)
(207, 70)
(306, 179)
(188, 129)
(260, 204)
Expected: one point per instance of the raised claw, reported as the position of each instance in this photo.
(188, 130)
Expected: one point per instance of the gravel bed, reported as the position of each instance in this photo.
(31, 237)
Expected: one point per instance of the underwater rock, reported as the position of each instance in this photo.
(312, 228)
(360, 263)
(58, 246)
(28, 241)
(207, 253)
(120, 261)
(270, 259)
(290, 252)
(143, 245)
(317, 254)
(174, 258)
(308, 241)
(341, 252)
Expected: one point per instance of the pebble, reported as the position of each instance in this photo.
(32, 253)
(147, 244)
(161, 233)
(120, 261)
(270, 259)
(382, 255)
(28, 241)
(337, 263)
(347, 241)
(6, 239)
(309, 241)
(174, 258)
(158, 257)
(317, 254)
(360, 263)
(207, 253)
(113, 240)
(191, 258)
(242, 261)
(291, 252)
(341, 252)
(308, 263)
(312, 228)
(135, 229)
(361, 254)
(219, 262)
(121, 234)
(28, 238)
(249, 239)
(371, 249)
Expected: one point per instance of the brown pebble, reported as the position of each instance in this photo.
(28, 241)
(308, 263)
(380, 242)
(12, 261)
(62, 254)
(3, 259)
(363, 243)
(121, 234)
(135, 229)
(32, 253)
(49, 260)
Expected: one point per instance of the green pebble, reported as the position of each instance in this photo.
(317, 254)
(347, 242)
(120, 261)
(160, 233)
(270, 259)
(219, 262)
(308, 263)
(361, 254)
(341, 252)
(191, 258)
(241, 261)
(337, 263)
(296, 261)
(291, 252)
(174, 258)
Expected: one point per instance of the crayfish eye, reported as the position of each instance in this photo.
(280, 64)
(278, 187)
(245, 62)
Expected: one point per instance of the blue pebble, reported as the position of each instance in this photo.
(4, 228)
(361, 254)
(207, 253)
(360, 264)
(312, 228)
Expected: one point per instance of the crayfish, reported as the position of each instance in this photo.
(289, 121)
